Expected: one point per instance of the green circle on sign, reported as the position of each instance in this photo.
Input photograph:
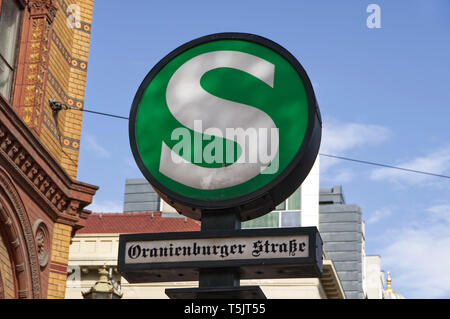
(235, 81)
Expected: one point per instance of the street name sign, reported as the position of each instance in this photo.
(258, 253)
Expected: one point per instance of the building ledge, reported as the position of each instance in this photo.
(330, 281)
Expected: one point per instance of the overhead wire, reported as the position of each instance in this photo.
(385, 165)
(100, 113)
(322, 154)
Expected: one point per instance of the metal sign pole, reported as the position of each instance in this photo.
(218, 283)
(217, 221)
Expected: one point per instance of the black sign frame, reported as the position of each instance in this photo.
(292, 267)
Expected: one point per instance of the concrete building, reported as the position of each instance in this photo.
(374, 278)
(342, 229)
(139, 196)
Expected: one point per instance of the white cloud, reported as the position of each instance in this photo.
(338, 137)
(92, 144)
(341, 176)
(440, 212)
(437, 162)
(106, 206)
(418, 256)
(378, 215)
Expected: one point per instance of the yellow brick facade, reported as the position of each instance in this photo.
(40, 206)
(66, 81)
(59, 260)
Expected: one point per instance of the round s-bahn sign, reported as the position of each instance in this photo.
(226, 121)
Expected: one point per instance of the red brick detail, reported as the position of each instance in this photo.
(58, 267)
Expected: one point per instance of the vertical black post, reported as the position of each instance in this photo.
(220, 277)
(220, 220)
(218, 283)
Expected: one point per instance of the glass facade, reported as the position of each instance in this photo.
(286, 214)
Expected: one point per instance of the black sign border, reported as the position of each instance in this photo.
(249, 267)
(260, 201)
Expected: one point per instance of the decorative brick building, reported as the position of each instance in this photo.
(44, 47)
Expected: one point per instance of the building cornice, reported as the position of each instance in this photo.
(42, 8)
(38, 172)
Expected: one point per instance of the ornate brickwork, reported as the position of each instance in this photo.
(32, 171)
(37, 177)
(41, 202)
(42, 241)
(57, 196)
(22, 255)
(71, 61)
(66, 79)
(52, 64)
(66, 142)
(62, 207)
(79, 25)
(62, 93)
(42, 8)
(41, 15)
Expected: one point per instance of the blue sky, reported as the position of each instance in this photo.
(384, 96)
